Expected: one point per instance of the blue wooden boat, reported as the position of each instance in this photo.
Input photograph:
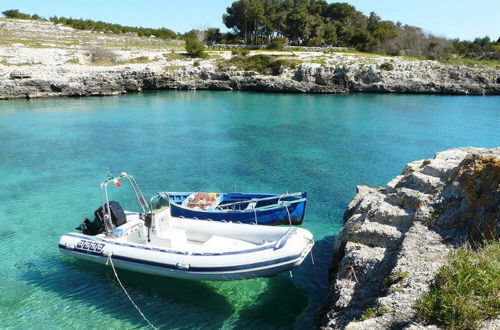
(262, 209)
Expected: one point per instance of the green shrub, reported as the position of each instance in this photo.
(396, 278)
(195, 48)
(240, 51)
(466, 291)
(369, 313)
(384, 310)
(263, 64)
(387, 66)
(196, 63)
(277, 44)
(15, 13)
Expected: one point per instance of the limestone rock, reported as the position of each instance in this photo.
(394, 240)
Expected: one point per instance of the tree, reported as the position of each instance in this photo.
(15, 13)
(236, 19)
(194, 47)
(373, 21)
(212, 36)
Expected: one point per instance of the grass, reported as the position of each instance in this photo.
(357, 53)
(466, 291)
(174, 56)
(16, 34)
(263, 64)
(370, 313)
(73, 60)
(396, 278)
(140, 59)
(6, 63)
(472, 62)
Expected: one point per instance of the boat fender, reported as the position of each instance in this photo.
(182, 266)
(69, 246)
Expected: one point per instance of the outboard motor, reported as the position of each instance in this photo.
(118, 217)
(95, 227)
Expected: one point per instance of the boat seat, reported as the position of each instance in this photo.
(251, 206)
(177, 237)
(222, 244)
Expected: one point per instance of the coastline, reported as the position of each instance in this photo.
(57, 61)
(408, 77)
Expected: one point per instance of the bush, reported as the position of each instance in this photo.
(195, 48)
(466, 291)
(15, 13)
(277, 44)
(102, 56)
(240, 51)
(263, 64)
(387, 66)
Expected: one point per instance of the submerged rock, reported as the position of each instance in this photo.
(395, 239)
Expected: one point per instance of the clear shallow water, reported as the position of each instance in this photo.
(54, 153)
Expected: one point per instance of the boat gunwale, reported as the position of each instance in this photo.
(271, 207)
(283, 240)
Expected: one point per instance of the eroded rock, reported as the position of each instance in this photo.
(394, 240)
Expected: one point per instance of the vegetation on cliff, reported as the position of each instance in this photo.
(306, 23)
(195, 47)
(87, 24)
(466, 291)
(318, 23)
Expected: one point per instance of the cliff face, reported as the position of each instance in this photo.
(396, 238)
(407, 77)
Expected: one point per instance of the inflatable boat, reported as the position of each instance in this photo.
(155, 242)
(262, 209)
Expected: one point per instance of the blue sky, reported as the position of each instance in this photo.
(464, 19)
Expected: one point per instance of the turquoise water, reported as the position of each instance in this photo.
(54, 153)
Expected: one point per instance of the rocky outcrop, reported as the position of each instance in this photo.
(396, 238)
(406, 77)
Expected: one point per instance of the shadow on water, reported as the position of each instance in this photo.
(193, 303)
(278, 307)
(314, 277)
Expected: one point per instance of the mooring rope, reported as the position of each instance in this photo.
(289, 220)
(315, 270)
(126, 293)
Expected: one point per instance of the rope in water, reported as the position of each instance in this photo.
(126, 293)
(316, 271)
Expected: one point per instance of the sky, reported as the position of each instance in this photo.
(464, 19)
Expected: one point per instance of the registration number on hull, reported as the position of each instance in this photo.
(90, 246)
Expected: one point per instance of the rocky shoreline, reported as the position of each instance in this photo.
(407, 77)
(53, 60)
(395, 238)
